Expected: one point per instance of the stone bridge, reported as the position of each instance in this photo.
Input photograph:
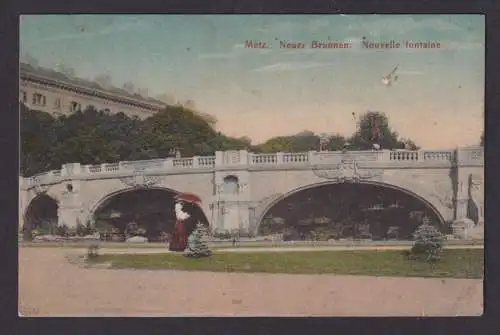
(238, 188)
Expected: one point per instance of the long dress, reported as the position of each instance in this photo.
(179, 237)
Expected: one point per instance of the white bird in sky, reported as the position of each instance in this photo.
(390, 78)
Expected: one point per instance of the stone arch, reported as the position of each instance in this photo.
(272, 201)
(42, 210)
(103, 201)
(231, 184)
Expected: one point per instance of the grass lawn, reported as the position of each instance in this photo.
(456, 263)
(224, 245)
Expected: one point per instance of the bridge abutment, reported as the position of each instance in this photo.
(469, 208)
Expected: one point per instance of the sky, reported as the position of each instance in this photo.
(437, 100)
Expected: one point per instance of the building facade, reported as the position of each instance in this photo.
(59, 94)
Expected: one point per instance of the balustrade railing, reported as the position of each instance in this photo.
(291, 158)
(94, 168)
(263, 159)
(470, 155)
(403, 155)
(438, 155)
(206, 161)
(183, 162)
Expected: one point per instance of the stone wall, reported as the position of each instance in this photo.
(238, 187)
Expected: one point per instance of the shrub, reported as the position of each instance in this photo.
(62, 230)
(222, 235)
(428, 242)
(83, 230)
(197, 245)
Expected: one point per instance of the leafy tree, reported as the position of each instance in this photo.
(428, 242)
(363, 138)
(409, 144)
(197, 245)
(37, 140)
(301, 142)
(176, 127)
(95, 137)
(336, 142)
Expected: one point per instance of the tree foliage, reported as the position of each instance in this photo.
(197, 245)
(365, 136)
(95, 137)
(428, 242)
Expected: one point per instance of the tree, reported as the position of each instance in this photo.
(409, 144)
(301, 142)
(373, 127)
(428, 242)
(197, 245)
(177, 127)
(38, 138)
(94, 137)
(336, 142)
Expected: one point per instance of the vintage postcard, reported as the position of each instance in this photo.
(296, 165)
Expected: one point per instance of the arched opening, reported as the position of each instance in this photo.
(40, 217)
(348, 211)
(231, 184)
(147, 212)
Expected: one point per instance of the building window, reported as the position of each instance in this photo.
(57, 103)
(39, 99)
(24, 96)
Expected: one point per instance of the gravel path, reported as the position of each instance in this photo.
(49, 285)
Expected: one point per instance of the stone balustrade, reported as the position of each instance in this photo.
(469, 156)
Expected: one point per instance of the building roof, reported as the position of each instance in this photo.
(28, 69)
(61, 77)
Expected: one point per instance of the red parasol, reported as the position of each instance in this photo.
(188, 197)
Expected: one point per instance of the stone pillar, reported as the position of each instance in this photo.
(461, 208)
(68, 216)
(23, 203)
(71, 169)
(312, 157)
(196, 161)
(462, 225)
(279, 158)
(386, 155)
(420, 155)
(69, 204)
(219, 158)
(243, 157)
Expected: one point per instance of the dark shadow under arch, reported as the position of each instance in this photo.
(359, 194)
(152, 209)
(41, 213)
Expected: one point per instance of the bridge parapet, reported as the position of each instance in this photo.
(469, 156)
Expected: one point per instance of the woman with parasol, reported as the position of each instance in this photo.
(186, 206)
